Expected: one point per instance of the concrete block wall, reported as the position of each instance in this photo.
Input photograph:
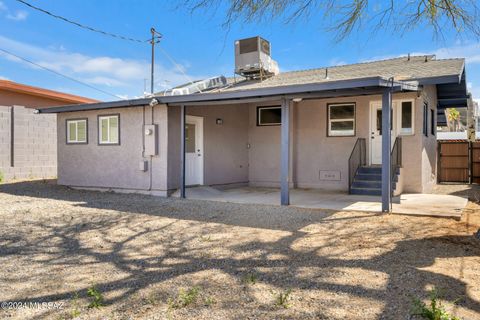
(34, 144)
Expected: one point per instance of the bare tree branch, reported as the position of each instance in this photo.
(441, 16)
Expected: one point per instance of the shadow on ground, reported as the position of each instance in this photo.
(406, 264)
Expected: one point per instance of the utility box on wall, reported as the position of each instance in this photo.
(151, 139)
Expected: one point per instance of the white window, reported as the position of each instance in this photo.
(109, 129)
(406, 117)
(269, 116)
(77, 131)
(341, 120)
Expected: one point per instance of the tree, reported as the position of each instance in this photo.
(343, 16)
(453, 119)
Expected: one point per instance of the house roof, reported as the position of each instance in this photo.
(420, 68)
(7, 85)
(405, 72)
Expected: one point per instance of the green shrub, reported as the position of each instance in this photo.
(1, 177)
(250, 278)
(282, 298)
(184, 298)
(97, 297)
(433, 311)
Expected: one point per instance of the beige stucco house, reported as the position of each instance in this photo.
(321, 128)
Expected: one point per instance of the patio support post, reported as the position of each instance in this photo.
(285, 153)
(386, 148)
(182, 151)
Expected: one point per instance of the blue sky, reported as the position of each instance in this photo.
(196, 41)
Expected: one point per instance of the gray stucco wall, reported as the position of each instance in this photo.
(34, 144)
(226, 156)
(225, 145)
(114, 166)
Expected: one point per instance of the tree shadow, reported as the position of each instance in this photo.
(407, 262)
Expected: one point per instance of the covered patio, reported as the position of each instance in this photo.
(435, 205)
(380, 86)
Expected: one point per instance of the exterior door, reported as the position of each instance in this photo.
(193, 151)
(376, 131)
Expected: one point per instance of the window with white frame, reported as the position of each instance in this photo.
(109, 129)
(341, 120)
(269, 116)
(406, 117)
(77, 131)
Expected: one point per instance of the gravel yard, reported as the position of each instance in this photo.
(231, 261)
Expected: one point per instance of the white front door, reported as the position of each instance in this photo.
(193, 151)
(376, 131)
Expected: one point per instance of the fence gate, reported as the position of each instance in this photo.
(453, 161)
(475, 161)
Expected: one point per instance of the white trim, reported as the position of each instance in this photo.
(341, 133)
(399, 116)
(76, 131)
(259, 118)
(108, 141)
(198, 121)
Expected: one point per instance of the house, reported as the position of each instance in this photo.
(28, 142)
(322, 128)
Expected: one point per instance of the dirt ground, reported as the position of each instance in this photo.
(140, 252)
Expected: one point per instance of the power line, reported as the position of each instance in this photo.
(82, 25)
(159, 36)
(60, 74)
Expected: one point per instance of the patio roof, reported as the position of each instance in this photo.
(325, 89)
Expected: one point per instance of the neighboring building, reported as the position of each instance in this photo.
(319, 128)
(28, 147)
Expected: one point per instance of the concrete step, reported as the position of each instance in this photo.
(366, 184)
(370, 170)
(368, 177)
(366, 191)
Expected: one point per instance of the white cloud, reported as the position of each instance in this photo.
(20, 15)
(123, 75)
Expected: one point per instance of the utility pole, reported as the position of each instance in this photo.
(156, 36)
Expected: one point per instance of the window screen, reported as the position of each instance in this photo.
(406, 117)
(341, 120)
(432, 122)
(77, 131)
(109, 129)
(269, 116)
(425, 119)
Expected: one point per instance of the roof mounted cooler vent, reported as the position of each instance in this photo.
(253, 60)
(198, 86)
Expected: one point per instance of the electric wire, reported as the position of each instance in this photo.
(105, 33)
(59, 74)
(78, 24)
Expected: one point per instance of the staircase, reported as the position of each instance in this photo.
(368, 181)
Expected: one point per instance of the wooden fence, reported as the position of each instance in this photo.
(459, 161)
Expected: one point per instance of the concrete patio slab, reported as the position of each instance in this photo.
(437, 205)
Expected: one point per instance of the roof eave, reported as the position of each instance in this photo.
(280, 91)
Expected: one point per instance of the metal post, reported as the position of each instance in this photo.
(285, 154)
(386, 147)
(182, 151)
(156, 36)
(152, 72)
